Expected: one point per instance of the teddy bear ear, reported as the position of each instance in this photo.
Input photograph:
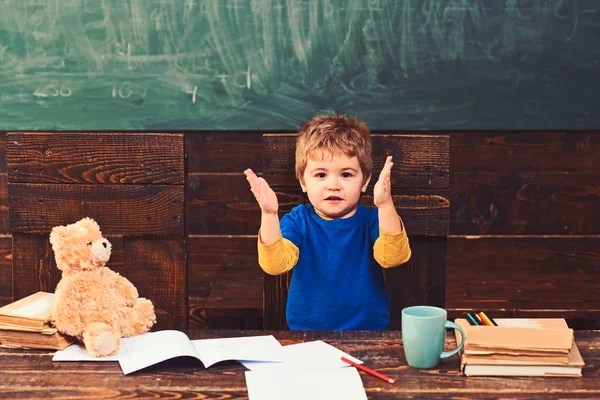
(57, 235)
(89, 224)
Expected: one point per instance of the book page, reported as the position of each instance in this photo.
(258, 348)
(151, 348)
(34, 306)
(554, 323)
(316, 354)
(35, 309)
(303, 384)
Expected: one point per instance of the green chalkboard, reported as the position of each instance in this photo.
(272, 64)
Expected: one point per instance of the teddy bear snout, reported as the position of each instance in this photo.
(101, 250)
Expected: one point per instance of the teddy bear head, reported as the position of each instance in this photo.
(79, 246)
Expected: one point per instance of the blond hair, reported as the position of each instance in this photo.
(331, 135)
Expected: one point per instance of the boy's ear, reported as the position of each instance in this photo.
(364, 187)
(302, 185)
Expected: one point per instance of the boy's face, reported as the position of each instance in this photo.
(333, 185)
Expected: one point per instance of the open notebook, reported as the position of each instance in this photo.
(142, 351)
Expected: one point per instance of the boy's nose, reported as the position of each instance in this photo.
(333, 184)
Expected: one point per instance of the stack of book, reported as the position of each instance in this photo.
(26, 324)
(520, 347)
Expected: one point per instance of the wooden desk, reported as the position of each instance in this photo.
(32, 374)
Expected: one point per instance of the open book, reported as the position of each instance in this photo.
(142, 351)
(31, 311)
(25, 324)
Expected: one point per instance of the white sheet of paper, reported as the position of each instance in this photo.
(77, 352)
(257, 348)
(303, 384)
(310, 355)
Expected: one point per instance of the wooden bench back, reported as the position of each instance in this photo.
(132, 184)
(420, 190)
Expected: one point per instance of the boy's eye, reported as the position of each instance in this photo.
(320, 175)
(346, 175)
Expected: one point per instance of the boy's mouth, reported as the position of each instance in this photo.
(333, 198)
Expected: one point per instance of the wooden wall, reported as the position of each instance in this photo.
(524, 230)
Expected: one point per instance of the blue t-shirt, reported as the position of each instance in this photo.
(336, 283)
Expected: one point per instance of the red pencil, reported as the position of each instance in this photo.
(368, 370)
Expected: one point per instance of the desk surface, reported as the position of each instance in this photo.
(32, 374)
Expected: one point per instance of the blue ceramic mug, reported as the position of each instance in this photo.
(423, 334)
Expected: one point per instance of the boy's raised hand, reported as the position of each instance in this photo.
(382, 191)
(265, 196)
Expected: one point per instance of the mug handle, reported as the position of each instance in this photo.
(446, 354)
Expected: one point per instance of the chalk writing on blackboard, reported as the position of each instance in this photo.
(264, 64)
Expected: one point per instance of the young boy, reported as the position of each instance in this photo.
(336, 247)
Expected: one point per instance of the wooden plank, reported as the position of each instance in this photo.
(6, 294)
(117, 260)
(219, 204)
(119, 209)
(224, 151)
(236, 301)
(420, 161)
(420, 281)
(424, 212)
(196, 312)
(3, 152)
(237, 290)
(499, 202)
(210, 256)
(3, 204)
(225, 283)
(541, 274)
(525, 151)
(161, 277)
(275, 300)
(108, 158)
(34, 268)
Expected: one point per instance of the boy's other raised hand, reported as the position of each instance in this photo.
(382, 191)
(265, 196)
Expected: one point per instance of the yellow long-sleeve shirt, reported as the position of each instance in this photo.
(281, 256)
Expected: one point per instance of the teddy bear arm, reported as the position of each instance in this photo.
(127, 289)
(66, 319)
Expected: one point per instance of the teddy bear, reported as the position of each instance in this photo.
(92, 303)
